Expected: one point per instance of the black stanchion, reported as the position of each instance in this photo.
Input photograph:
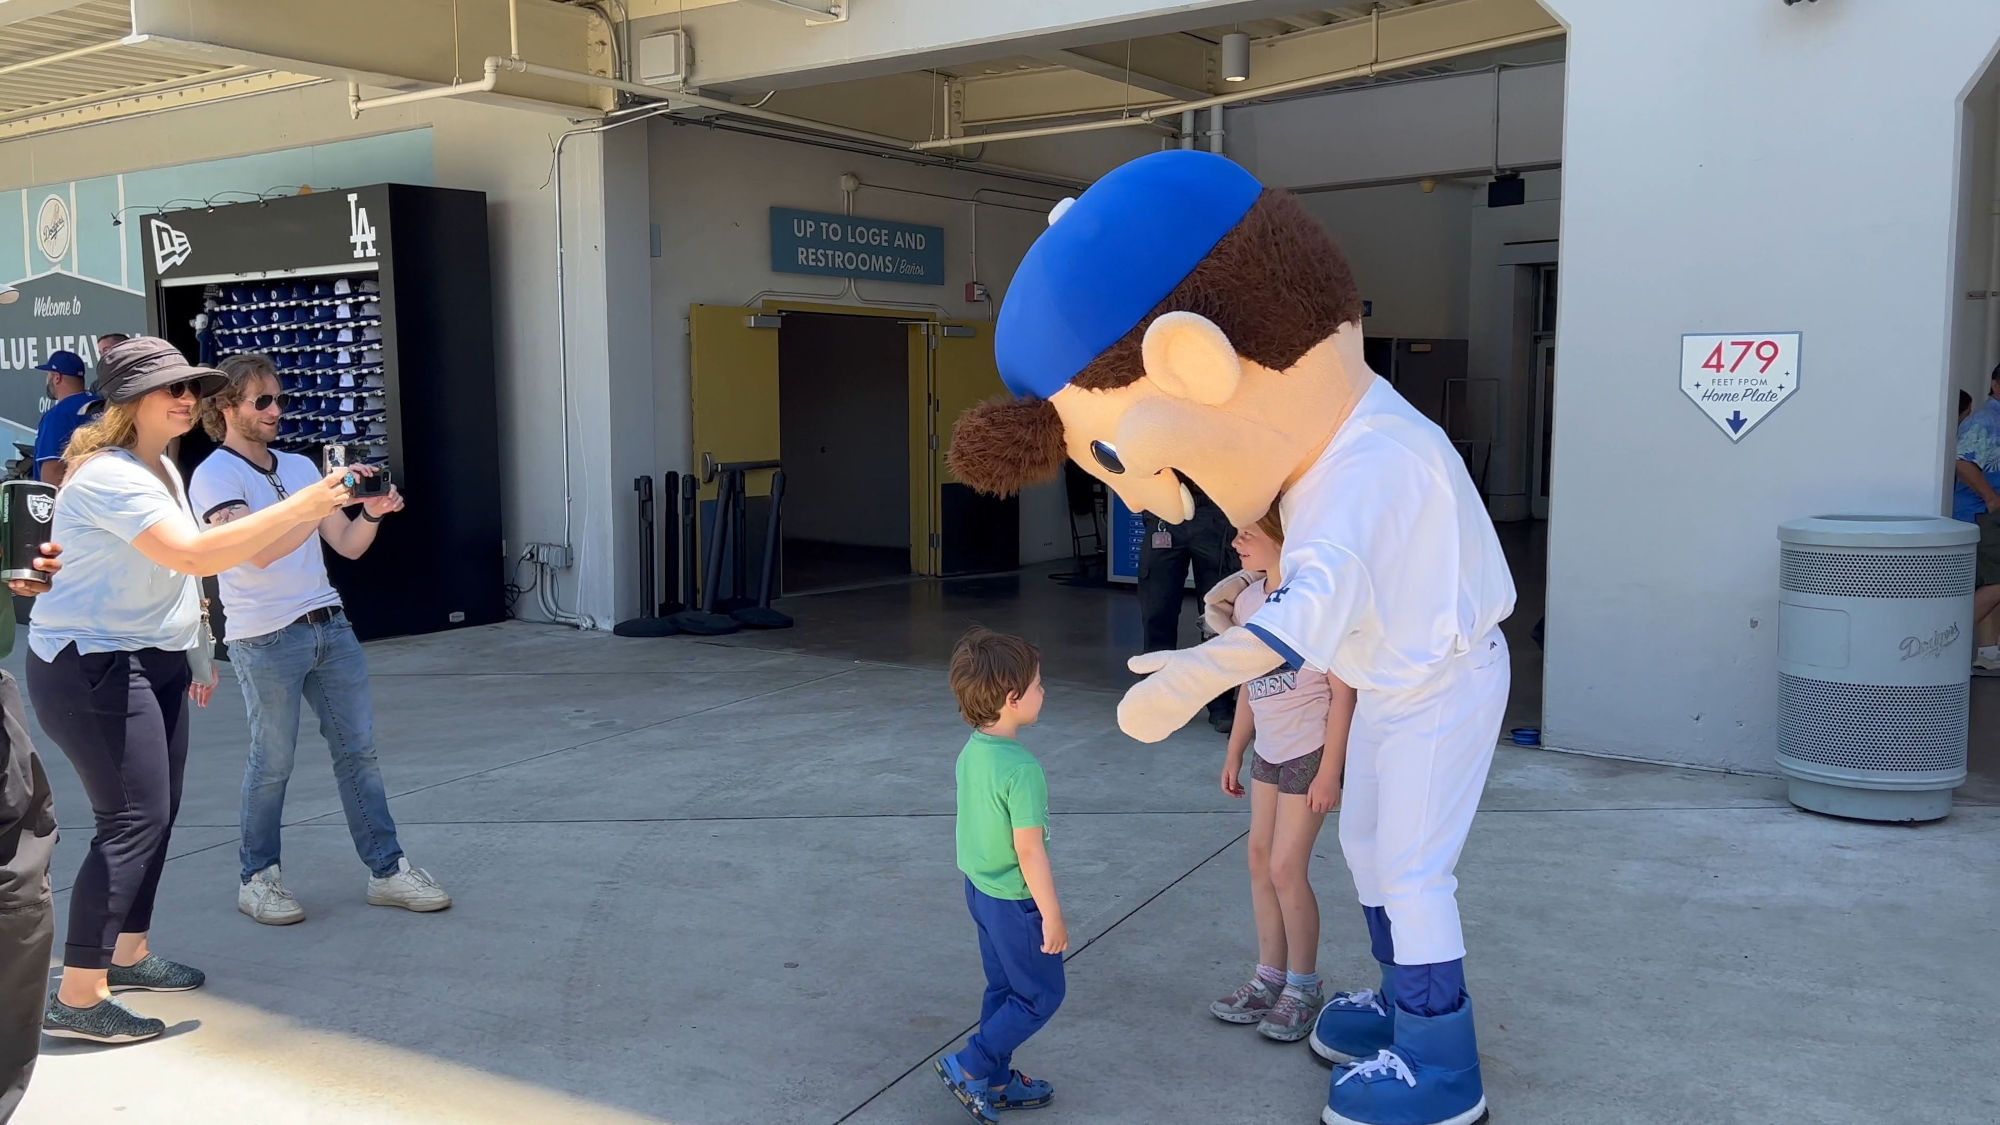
(653, 626)
(672, 600)
(705, 621)
(761, 615)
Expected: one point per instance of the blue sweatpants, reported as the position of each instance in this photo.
(1024, 986)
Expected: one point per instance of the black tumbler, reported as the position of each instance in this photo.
(27, 511)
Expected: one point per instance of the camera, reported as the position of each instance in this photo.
(335, 456)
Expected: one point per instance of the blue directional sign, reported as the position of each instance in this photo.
(812, 242)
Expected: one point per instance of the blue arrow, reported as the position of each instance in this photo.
(1736, 421)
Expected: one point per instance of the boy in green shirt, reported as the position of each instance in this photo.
(1003, 820)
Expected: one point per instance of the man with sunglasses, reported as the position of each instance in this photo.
(289, 642)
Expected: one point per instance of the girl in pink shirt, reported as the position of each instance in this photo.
(1299, 720)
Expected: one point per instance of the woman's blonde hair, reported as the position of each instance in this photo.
(116, 428)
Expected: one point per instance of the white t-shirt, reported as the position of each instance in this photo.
(109, 597)
(1287, 706)
(258, 602)
(1391, 565)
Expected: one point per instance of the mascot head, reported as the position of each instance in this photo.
(1177, 322)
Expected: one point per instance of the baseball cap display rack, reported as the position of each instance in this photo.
(375, 307)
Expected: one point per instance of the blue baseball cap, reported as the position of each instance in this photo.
(1109, 257)
(63, 363)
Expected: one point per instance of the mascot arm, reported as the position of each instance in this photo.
(1180, 683)
(1327, 591)
(1218, 606)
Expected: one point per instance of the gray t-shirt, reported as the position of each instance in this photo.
(109, 597)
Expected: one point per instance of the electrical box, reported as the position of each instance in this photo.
(663, 59)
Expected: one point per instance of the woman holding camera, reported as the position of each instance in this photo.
(114, 648)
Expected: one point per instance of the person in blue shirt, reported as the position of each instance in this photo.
(72, 404)
(1975, 498)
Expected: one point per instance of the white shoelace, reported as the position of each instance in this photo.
(1387, 1063)
(1366, 998)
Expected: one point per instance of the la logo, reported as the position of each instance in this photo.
(360, 231)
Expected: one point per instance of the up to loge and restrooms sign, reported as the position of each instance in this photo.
(811, 242)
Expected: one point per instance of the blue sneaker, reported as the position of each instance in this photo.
(1356, 1025)
(1020, 1092)
(1429, 1077)
(971, 1093)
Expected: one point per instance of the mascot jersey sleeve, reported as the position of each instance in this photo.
(1385, 583)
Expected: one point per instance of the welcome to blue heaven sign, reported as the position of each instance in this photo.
(844, 246)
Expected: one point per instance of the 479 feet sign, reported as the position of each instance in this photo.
(1738, 379)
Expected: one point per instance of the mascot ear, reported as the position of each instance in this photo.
(1003, 444)
(1188, 357)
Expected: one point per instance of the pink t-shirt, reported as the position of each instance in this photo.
(1288, 706)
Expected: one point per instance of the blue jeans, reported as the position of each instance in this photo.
(323, 665)
(1024, 986)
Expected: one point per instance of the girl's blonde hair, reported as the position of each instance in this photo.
(1272, 523)
(116, 428)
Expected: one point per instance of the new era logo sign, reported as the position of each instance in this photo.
(170, 247)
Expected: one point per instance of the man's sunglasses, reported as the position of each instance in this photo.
(265, 402)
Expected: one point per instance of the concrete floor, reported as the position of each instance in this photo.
(703, 883)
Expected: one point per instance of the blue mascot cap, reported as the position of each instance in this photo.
(1109, 258)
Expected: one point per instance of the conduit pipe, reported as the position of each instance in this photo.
(1992, 357)
(1215, 129)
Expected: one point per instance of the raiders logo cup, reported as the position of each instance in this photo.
(27, 511)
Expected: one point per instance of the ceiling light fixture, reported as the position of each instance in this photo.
(1236, 57)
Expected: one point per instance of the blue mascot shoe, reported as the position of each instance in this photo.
(1356, 1025)
(1429, 1077)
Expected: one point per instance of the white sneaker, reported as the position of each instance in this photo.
(1987, 659)
(265, 899)
(411, 888)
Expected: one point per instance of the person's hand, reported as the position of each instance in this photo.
(330, 493)
(379, 506)
(47, 564)
(200, 692)
(1232, 774)
(1323, 795)
(1218, 606)
(1055, 935)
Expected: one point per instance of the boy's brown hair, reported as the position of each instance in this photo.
(986, 668)
(1272, 523)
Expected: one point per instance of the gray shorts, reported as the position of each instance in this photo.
(1290, 777)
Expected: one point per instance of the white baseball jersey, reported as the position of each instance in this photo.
(1390, 562)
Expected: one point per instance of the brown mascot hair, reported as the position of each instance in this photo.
(1276, 285)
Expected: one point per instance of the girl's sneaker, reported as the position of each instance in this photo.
(1292, 1017)
(1020, 1092)
(1249, 1004)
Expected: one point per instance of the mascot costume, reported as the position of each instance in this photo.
(1179, 322)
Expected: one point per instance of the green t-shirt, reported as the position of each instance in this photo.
(1001, 787)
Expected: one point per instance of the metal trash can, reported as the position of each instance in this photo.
(1874, 663)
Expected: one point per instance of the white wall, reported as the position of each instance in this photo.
(1410, 252)
(1737, 167)
(502, 152)
(712, 193)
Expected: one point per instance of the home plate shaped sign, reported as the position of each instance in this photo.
(1738, 379)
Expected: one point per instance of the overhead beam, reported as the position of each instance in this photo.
(746, 48)
(199, 92)
(392, 44)
(1277, 64)
(1190, 83)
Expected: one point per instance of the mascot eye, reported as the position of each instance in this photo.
(1107, 457)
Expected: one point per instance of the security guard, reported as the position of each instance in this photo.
(1164, 555)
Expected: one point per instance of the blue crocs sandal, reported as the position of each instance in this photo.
(1021, 1092)
(970, 1094)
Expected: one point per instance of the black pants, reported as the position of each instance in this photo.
(121, 718)
(27, 916)
(1202, 541)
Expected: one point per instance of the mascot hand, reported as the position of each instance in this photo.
(1218, 606)
(1178, 684)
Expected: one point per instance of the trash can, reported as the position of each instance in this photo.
(1874, 663)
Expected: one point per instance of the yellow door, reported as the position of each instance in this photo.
(967, 533)
(733, 372)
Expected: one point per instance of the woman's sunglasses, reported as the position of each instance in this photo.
(183, 388)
